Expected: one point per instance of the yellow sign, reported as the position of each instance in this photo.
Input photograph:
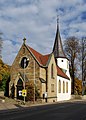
(24, 93)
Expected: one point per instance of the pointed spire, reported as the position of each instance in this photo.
(57, 19)
(58, 49)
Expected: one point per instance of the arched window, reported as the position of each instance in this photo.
(19, 83)
(52, 71)
(59, 86)
(66, 87)
(63, 87)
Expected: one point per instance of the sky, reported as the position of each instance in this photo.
(37, 20)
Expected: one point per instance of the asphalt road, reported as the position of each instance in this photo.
(59, 111)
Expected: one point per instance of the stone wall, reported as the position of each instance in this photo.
(78, 97)
(52, 95)
(32, 71)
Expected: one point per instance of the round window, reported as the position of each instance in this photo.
(24, 62)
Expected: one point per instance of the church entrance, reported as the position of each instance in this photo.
(19, 88)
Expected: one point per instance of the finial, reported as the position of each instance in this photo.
(57, 19)
(24, 39)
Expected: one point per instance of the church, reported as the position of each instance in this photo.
(49, 73)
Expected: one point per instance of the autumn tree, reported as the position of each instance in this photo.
(72, 48)
(4, 74)
(78, 86)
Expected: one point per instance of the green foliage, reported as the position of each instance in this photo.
(4, 75)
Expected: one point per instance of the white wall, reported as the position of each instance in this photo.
(64, 63)
(63, 96)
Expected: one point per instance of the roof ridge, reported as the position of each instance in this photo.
(33, 49)
(39, 56)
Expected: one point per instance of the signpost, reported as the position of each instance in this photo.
(20, 93)
(24, 92)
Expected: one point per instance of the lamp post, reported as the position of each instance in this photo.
(25, 65)
(24, 77)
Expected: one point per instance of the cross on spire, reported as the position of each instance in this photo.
(24, 40)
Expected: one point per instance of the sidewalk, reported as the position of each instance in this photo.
(8, 103)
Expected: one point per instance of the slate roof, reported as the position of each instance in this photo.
(58, 49)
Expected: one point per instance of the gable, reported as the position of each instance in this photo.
(41, 59)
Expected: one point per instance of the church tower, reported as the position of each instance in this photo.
(60, 57)
(58, 49)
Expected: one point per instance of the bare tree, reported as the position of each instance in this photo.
(83, 50)
(72, 48)
(0, 43)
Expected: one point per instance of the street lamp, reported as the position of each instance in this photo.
(25, 63)
(26, 60)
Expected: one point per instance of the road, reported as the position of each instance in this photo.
(58, 111)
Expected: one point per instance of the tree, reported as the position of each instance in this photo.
(4, 75)
(4, 80)
(72, 48)
(0, 43)
(83, 50)
(78, 86)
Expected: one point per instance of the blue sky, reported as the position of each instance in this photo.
(36, 20)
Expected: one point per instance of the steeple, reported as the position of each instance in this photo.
(58, 49)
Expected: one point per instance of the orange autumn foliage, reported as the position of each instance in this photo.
(78, 86)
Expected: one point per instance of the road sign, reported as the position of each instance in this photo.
(24, 93)
(45, 95)
(20, 93)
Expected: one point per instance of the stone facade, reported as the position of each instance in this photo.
(52, 92)
(34, 71)
(16, 69)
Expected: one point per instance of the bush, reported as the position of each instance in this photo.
(30, 92)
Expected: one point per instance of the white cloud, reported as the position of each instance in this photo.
(37, 21)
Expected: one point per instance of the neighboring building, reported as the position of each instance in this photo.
(49, 73)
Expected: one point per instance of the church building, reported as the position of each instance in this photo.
(48, 73)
